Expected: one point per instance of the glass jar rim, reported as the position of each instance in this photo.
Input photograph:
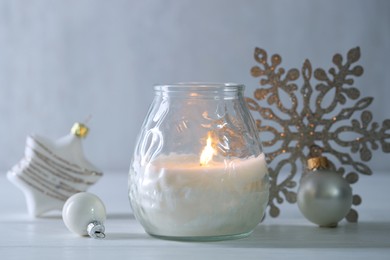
(200, 86)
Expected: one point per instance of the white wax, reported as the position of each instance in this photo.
(176, 196)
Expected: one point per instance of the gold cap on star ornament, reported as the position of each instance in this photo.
(79, 130)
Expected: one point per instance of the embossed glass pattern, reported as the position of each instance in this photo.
(198, 170)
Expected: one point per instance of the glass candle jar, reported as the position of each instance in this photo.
(198, 171)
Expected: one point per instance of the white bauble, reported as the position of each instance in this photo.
(84, 214)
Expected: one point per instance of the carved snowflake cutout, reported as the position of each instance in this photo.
(305, 114)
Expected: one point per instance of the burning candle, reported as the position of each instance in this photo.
(198, 170)
(180, 197)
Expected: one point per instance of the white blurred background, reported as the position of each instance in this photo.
(61, 61)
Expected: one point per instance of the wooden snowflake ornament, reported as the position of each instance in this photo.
(319, 115)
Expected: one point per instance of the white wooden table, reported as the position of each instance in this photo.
(289, 236)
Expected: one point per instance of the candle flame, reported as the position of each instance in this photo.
(208, 151)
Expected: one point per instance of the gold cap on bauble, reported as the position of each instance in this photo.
(320, 162)
(79, 130)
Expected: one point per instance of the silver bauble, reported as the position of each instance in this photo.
(324, 197)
